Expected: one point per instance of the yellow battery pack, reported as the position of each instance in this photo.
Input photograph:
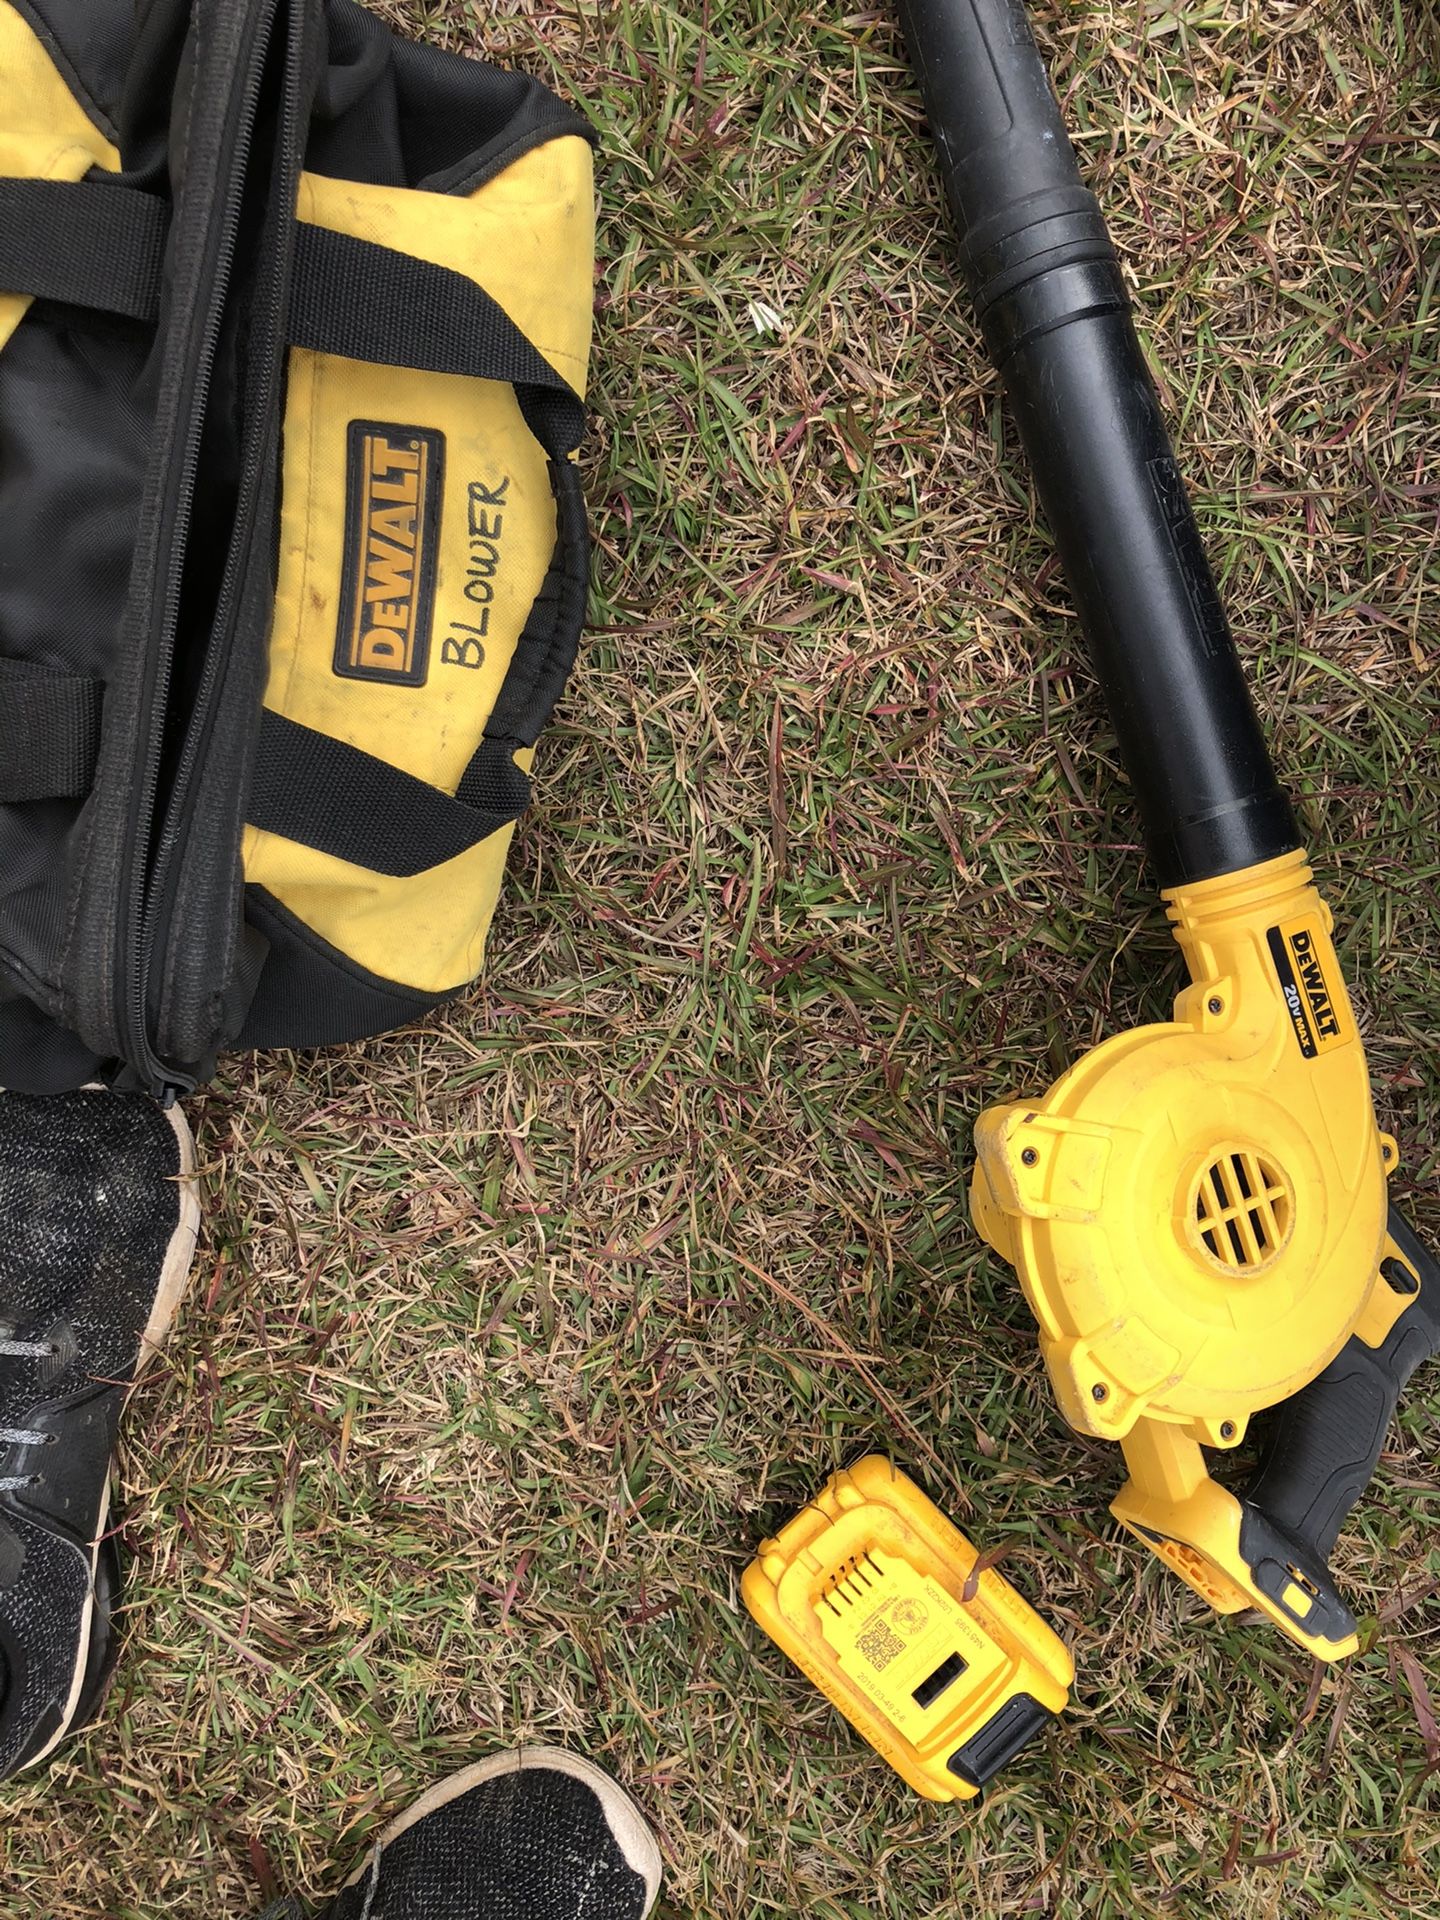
(865, 1590)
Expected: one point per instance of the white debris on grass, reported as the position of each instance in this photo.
(765, 318)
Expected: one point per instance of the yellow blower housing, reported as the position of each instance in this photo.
(1198, 1211)
(1198, 1215)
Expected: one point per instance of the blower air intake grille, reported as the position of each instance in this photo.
(1243, 1208)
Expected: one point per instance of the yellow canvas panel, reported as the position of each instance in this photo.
(417, 526)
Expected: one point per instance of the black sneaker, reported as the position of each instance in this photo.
(532, 1835)
(97, 1232)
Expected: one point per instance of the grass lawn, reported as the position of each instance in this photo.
(513, 1334)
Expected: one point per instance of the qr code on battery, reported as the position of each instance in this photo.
(878, 1644)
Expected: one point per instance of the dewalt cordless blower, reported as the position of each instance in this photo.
(1198, 1210)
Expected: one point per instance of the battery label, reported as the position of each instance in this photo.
(907, 1643)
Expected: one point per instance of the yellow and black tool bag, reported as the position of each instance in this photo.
(294, 322)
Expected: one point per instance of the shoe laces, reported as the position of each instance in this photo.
(292, 1909)
(11, 1348)
(372, 1887)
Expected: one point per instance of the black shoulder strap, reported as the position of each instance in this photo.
(367, 302)
(99, 244)
(546, 650)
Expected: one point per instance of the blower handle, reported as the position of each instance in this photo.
(1324, 1444)
(1056, 317)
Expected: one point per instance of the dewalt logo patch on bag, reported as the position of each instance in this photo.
(392, 525)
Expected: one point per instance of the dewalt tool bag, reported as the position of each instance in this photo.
(294, 323)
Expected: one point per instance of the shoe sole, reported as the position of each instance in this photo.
(631, 1830)
(175, 1276)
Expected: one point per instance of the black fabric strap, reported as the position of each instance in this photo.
(326, 794)
(102, 245)
(365, 302)
(85, 241)
(49, 732)
(545, 651)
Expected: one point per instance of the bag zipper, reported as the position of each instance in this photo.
(269, 331)
(137, 928)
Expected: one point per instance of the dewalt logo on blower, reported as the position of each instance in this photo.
(1319, 1011)
(260, 767)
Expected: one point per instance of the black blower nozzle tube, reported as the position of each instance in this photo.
(1056, 317)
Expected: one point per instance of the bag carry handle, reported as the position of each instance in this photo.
(361, 301)
(326, 794)
(96, 244)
